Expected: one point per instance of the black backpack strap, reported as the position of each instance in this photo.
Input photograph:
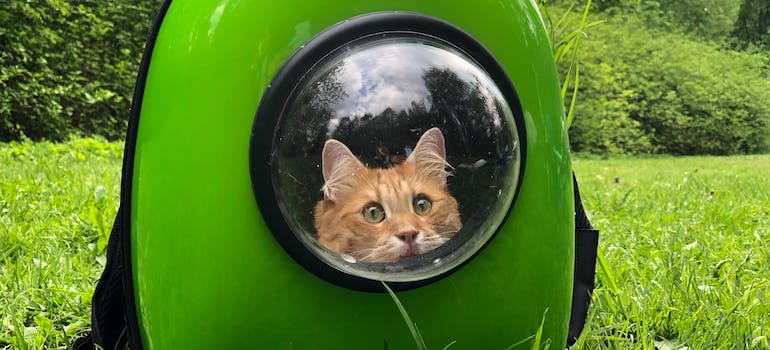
(108, 318)
(586, 241)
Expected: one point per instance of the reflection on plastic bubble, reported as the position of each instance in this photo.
(378, 97)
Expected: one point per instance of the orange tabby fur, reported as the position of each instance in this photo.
(350, 187)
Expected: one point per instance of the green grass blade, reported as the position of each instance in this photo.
(606, 271)
(539, 334)
(565, 84)
(565, 14)
(571, 110)
(563, 49)
(418, 339)
(520, 342)
(585, 15)
(449, 345)
(739, 302)
(570, 44)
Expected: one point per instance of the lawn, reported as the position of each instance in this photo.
(685, 244)
(57, 202)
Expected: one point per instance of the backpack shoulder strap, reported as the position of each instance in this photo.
(586, 241)
(108, 309)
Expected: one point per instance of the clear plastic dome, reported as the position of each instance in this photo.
(423, 166)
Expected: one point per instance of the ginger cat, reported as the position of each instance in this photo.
(385, 215)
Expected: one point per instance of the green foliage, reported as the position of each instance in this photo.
(743, 24)
(604, 125)
(712, 20)
(709, 19)
(69, 66)
(684, 243)
(646, 91)
(57, 203)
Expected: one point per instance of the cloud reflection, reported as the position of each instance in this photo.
(376, 78)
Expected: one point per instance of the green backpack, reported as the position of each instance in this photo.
(214, 244)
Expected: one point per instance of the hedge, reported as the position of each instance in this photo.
(69, 66)
(647, 91)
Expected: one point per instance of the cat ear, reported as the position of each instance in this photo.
(338, 166)
(430, 154)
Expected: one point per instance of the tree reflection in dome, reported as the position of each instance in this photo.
(383, 94)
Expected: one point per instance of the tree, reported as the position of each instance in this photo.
(753, 24)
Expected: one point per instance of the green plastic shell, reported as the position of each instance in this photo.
(208, 273)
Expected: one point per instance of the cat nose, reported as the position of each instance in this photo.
(407, 236)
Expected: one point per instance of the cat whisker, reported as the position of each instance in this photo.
(368, 254)
(437, 237)
(434, 241)
(447, 233)
(361, 253)
(385, 253)
(374, 254)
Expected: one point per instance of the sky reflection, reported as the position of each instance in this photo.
(391, 75)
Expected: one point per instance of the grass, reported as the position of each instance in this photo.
(684, 242)
(57, 203)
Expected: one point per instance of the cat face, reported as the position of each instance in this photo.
(385, 215)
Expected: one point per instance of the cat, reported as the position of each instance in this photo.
(386, 215)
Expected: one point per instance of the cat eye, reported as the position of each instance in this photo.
(373, 213)
(422, 205)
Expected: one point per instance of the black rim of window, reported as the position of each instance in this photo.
(279, 93)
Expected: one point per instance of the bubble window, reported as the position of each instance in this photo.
(390, 147)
